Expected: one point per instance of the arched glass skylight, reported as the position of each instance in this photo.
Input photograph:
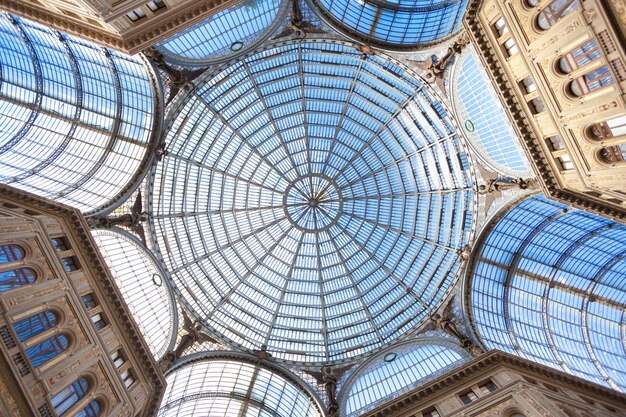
(229, 387)
(398, 370)
(75, 118)
(393, 24)
(484, 119)
(232, 31)
(313, 200)
(142, 285)
(548, 285)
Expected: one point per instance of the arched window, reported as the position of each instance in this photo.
(33, 325)
(591, 81)
(554, 12)
(91, 410)
(581, 56)
(11, 252)
(44, 351)
(615, 153)
(65, 399)
(16, 278)
(608, 129)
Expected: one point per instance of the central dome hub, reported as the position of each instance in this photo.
(313, 202)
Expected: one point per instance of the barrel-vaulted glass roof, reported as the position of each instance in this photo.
(232, 31)
(397, 370)
(313, 200)
(143, 287)
(548, 285)
(231, 387)
(396, 23)
(75, 118)
(484, 119)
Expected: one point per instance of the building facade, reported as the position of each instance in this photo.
(559, 67)
(69, 344)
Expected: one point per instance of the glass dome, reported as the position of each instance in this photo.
(232, 387)
(143, 287)
(395, 24)
(312, 200)
(548, 285)
(76, 119)
(232, 31)
(397, 370)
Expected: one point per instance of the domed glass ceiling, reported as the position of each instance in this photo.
(313, 200)
(395, 23)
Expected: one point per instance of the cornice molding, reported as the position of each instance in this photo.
(134, 40)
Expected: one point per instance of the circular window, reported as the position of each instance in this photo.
(235, 46)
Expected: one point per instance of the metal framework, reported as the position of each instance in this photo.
(144, 287)
(401, 26)
(225, 35)
(227, 383)
(483, 118)
(312, 200)
(548, 285)
(398, 369)
(77, 119)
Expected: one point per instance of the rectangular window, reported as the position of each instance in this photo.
(98, 321)
(70, 263)
(488, 387)
(556, 143)
(468, 397)
(127, 377)
(88, 301)
(529, 85)
(431, 412)
(537, 106)
(117, 358)
(136, 14)
(566, 162)
(156, 5)
(60, 244)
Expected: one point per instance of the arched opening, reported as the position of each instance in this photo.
(16, 278)
(579, 57)
(554, 12)
(48, 349)
(11, 252)
(35, 324)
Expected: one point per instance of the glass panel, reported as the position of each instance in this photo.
(33, 325)
(487, 122)
(142, 286)
(16, 278)
(229, 387)
(548, 285)
(46, 350)
(65, 399)
(76, 118)
(223, 34)
(402, 22)
(11, 252)
(325, 201)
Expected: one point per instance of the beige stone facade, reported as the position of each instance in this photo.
(53, 271)
(561, 74)
(500, 385)
(126, 25)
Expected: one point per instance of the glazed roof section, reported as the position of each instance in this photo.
(313, 200)
(76, 118)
